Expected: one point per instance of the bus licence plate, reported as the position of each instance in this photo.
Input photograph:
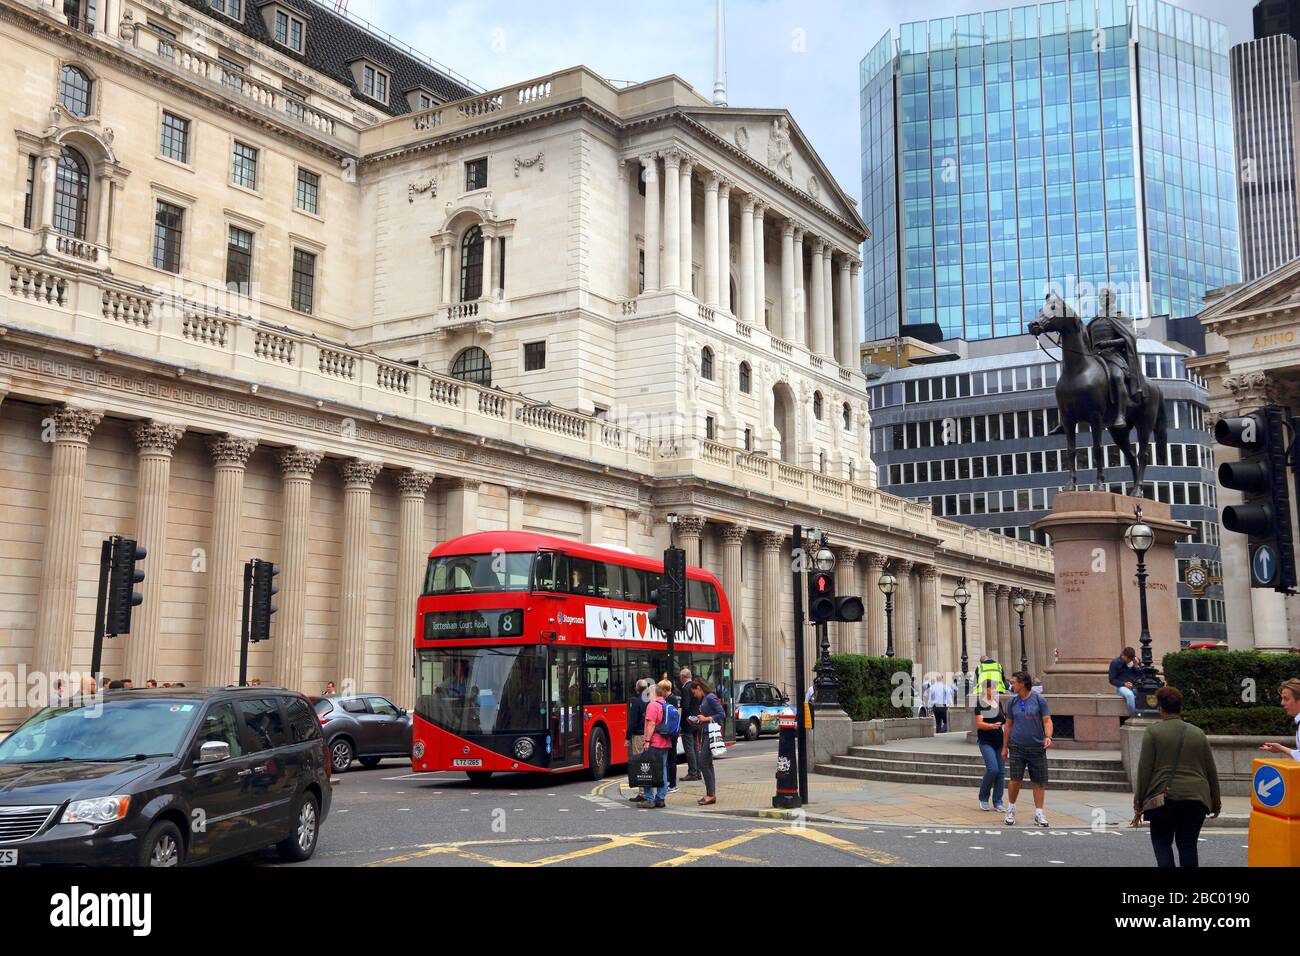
(8, 857)
(473, 762)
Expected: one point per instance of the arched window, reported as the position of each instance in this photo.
(471, 265)
(817, 405)
(746, 378)
(706, 364)
(71, 193)
(473, 365)
(74, 91)
(848, 417)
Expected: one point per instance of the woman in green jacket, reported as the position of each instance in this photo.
(1176, 781)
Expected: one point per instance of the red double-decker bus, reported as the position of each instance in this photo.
(527, 648)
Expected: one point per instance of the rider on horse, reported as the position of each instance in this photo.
(1114, 342)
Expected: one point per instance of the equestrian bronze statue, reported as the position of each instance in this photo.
(1101, 383)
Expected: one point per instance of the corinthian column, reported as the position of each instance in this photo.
(846, 583)
(787, 281)
(412, 553)
(760, 267)
(733, 541)
(989, 637)
(1041, 659)
(724, 247)
(875, 602)
(686, 214)
(854, 311)
(817, 306)
(904, 611)
(650, 169)
(1049, 623)
(773, 586)
(828, 302)
(712, 259)
(1006, 625)
(800, 295)
(746, 289)
(358, 478)
(848, 334)
(70, 428)
(154, 441)
(929, 619)
(297, 466)
(690, 532)
(671, 264)
(230, 454)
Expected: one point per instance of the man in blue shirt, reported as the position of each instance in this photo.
(1121, 674)
(1027, 737)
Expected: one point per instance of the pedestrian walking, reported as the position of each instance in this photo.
(690, 727)
(1177, 783)
(708, 713)
(656, 712)
(670, 696)
(939, 697)
(1027, 736)
(990, 669)
(989, 721)
(1121, 673)
(1290, 694)
(635, 735)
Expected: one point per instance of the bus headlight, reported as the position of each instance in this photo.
(524, 748)
(418, 749)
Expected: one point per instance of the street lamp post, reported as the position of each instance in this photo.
(1140, 537)
(962, 597)
(1020, 602)
(888, 583)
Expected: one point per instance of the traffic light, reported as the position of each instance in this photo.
(259, 626)
(669, 598)
(123, 576)
(821, 597)
(1261, 476)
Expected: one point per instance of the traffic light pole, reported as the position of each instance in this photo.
(243, 630)
(800, 691)
(101, 604)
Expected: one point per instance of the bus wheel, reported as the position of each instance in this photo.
(598, 754)
(479, 776)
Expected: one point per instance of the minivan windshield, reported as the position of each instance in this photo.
(102, 730)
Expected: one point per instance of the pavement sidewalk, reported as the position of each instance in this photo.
(747, 783)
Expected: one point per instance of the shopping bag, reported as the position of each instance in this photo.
(717, 746)
(646, 769)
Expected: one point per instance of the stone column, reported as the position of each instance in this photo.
(929, 619)
(989, 636)
(690, 532)
(773, 586)
(593, 530)
(671, 264)
(904, 611)
(1040, 659)
(712, 257)
(515, 508)
(787, 281)
(854, 311)
(745, 290)
(650, 169)
(155, 441)
(446, 271)
(800, 293)
(412, 556)
(724, 246)
(733, 542)
(817, 305)
(1006, 624)
(628, 244)
(70, 429)
(49, 165)
(488, 287)
(686, 215)
(875, 606)
(1049, 624)
(358, 478)
(844, 638)
(760, 267)
(848, 333)
(828, 302)
(297, 466)
(104, 183)
(230, 454)
(461, 512)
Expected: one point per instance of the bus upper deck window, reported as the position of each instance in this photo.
(548, 571)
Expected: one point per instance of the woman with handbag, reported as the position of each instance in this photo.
(710, 715)
(1177, 783)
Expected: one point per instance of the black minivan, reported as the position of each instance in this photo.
(164, 777)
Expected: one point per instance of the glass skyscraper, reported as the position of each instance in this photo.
(1060, 146)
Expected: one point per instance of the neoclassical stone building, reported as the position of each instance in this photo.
(277, 287)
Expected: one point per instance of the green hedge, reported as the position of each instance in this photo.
(1212, 679)
(1242, 721)
(866, 685)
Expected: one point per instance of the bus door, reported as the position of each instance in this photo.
(565, 721)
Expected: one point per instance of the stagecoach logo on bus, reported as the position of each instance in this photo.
(626, 624)
(569, 619)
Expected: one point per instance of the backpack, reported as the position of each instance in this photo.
(671, 722)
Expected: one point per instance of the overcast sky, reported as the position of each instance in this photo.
(802, 55)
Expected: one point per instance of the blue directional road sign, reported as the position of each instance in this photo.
(1263, 565)
(1269, 785)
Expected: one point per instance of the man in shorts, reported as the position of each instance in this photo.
(1025, 744)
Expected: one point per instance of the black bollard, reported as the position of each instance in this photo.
(787, 766)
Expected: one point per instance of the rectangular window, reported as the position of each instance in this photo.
(294, 103)
(168, 224)
(165, 36)
(308, 191)
(175, 138)
(709, 426)
(281, 27)
(231, 8)
(244, 166)
(303, 292)
(295, 34)
(535, 357)
(239, 260)
(640, 271)
(749, 439)
(476, 174)
(231, 74)
(29, 194)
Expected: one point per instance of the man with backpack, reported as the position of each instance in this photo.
(662, 721)
(1027, 738)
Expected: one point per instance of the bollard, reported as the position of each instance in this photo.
(787, 766)
(1274, 813)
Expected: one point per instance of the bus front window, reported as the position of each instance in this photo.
(483, 690)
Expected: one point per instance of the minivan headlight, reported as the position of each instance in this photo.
(97, 812)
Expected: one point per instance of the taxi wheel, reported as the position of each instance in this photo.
(752, 730)
(162, 846)
(598, 754)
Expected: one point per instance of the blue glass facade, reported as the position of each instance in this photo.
(1060, 146)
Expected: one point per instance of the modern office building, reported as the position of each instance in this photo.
(1265, 73)
(1063, 145)
(970, 438)
(1277, 16)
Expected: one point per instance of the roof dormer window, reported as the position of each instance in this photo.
(420, 99)
(288, 25)
(228, 8)
(374, 83)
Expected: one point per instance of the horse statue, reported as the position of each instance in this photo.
(1084, 393)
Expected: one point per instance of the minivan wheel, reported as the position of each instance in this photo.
(301, 843)
(752, 730)
(162, 846)
(370, 763)
(341, 755)
(598, 754)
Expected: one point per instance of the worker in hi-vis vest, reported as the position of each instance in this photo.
(990, 669)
